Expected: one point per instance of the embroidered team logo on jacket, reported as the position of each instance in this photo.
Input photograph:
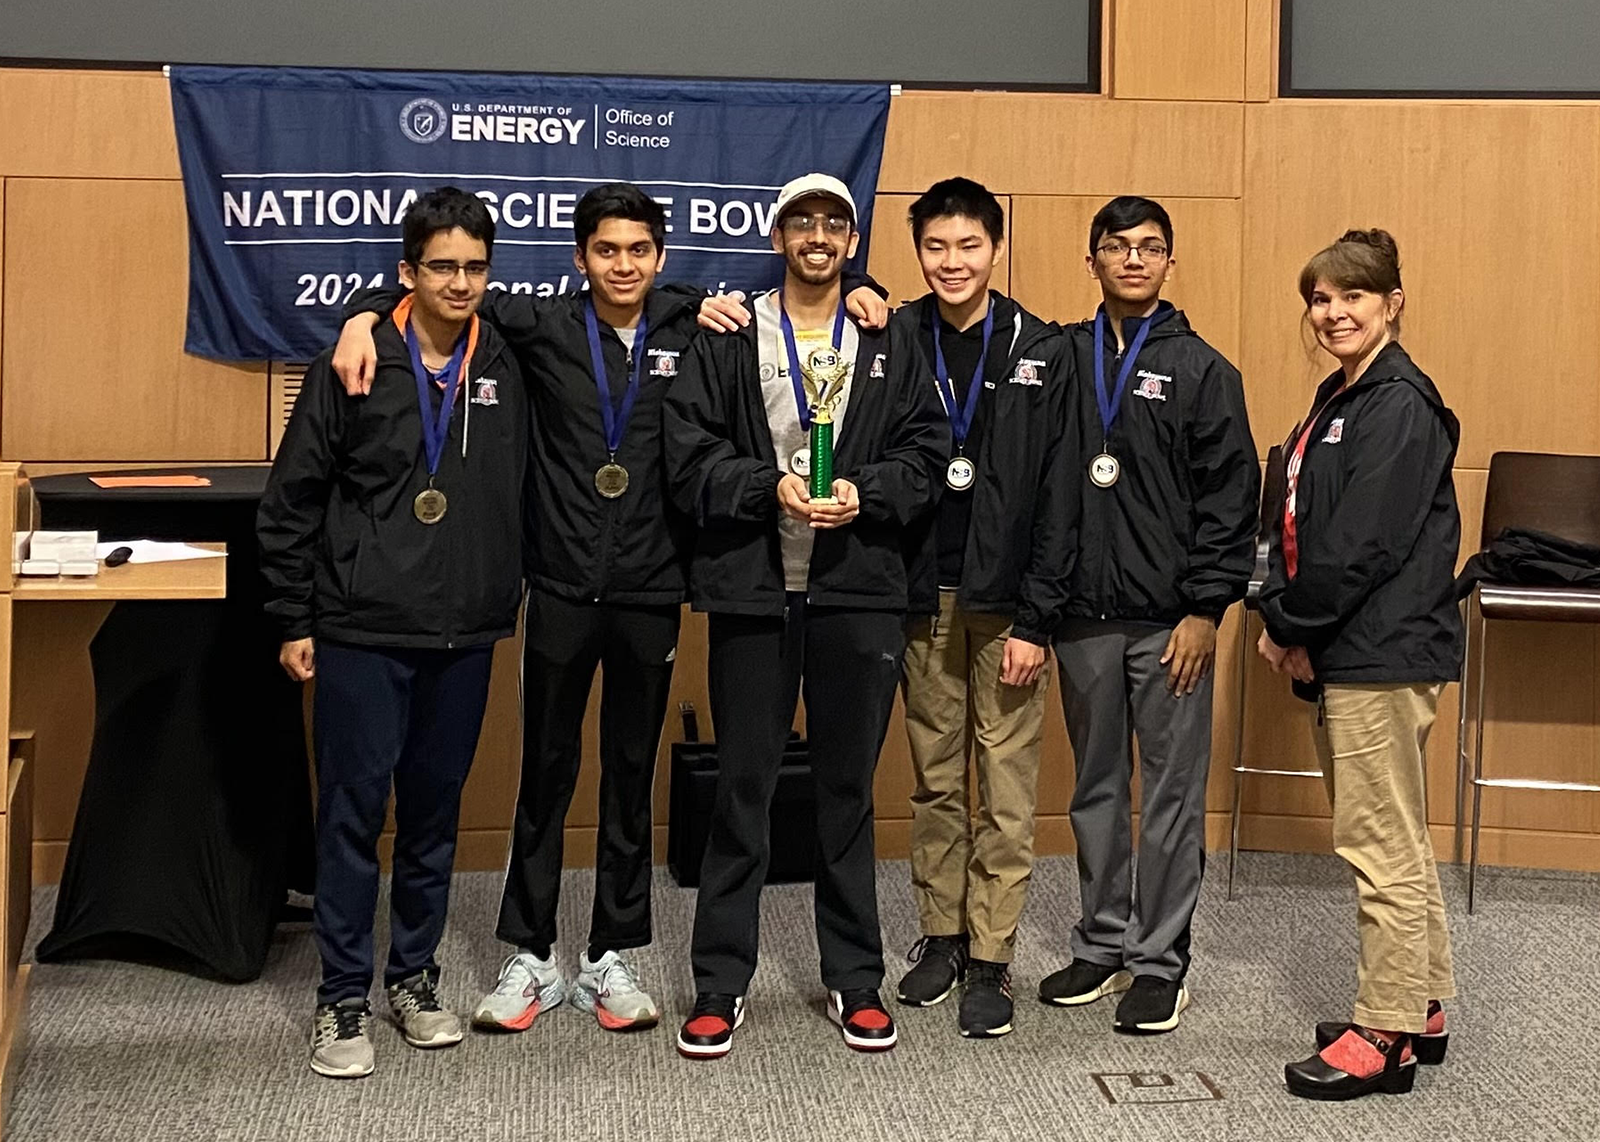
(665, 362)
(1152, 386)
(1335, 431)
(1028, 372)
(485, 390)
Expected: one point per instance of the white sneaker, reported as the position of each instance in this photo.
(609, 990)
(528, 986)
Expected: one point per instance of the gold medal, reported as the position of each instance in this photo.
(430, 505)
(1104, 470)
(611, 480)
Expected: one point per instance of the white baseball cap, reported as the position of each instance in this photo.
(813, 184)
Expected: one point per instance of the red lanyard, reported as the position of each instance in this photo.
(1291, 545)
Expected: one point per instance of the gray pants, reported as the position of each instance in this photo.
(1111, 676)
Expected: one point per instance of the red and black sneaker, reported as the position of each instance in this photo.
(861, 1017)
(708, 1032)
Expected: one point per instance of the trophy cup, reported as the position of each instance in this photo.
(824, 374)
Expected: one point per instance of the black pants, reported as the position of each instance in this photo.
(850, 662)
(410, 717)
(563, 643)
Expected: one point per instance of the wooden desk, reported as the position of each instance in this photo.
(32, 640)
(179, 579)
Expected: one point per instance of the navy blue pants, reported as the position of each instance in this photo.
(382, 716)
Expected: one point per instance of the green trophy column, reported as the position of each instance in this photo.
(821, 489)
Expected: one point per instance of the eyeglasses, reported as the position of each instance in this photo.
(1116, 250)
(834, 225)
(444, 269)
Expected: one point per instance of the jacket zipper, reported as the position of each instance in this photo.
(1105, 518)
(608, 507)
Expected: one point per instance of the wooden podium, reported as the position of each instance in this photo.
(186, 579)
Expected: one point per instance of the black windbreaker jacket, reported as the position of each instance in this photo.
(1377, 530)
(1175, 535)
(1023, 529)
(577, 543)
(343, 555)
(893, 445)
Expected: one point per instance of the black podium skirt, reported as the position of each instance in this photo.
(195, 817)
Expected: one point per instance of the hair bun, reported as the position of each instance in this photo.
(1380, 240)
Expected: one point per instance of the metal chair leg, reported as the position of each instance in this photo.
(1477, 761)
(1462, 701)
(1238, 751)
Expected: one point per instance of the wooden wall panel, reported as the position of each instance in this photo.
(1178, 49)
(1050, 272)
(86, 124)
(1455, 183)
(894, 257)
(1260, 50)
(1017, 143)
(95, 295)
(53, 698)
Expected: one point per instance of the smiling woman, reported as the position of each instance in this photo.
(1359, 609)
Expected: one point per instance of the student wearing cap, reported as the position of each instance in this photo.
(1169, 488)
(988, 593)
(388, 534)
(801, 593)
(605, 555)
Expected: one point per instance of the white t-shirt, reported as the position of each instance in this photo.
(783, 417)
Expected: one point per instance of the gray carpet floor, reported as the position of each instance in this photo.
(128, 1052)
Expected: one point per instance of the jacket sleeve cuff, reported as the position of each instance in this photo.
(1029, 634)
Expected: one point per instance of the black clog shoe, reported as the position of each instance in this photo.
(1315, 1078)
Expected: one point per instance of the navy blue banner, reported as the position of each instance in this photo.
(296, 179)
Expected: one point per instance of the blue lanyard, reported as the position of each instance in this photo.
(1109, 406)
(615, 420)
(960, 415)
(794, 357)
(435, 429)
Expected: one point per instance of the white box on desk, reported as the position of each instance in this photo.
(64, 546)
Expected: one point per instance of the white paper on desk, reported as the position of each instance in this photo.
(156, 551)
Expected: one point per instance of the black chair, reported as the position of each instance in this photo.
(1543, 492)
(1273, 487)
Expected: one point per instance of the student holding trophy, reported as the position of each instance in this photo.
(801, 587)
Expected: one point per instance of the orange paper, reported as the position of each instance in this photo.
(150, 481)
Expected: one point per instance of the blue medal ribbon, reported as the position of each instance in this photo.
(960, 414)
(615, 420)
(435, 428)
(1111, 405)
(794, 358)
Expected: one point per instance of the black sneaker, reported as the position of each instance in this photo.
(986, 1004)
(941, 963)
(708, 1032)
(1151, 1006)
(1083, 982)
(862, 1019)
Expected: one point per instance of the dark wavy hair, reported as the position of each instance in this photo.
(440, 210)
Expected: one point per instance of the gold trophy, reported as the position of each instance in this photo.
(824, 375)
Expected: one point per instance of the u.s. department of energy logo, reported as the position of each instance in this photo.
(424, 120)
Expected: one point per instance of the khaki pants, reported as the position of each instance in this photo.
(1370, 741)
(970, 873)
